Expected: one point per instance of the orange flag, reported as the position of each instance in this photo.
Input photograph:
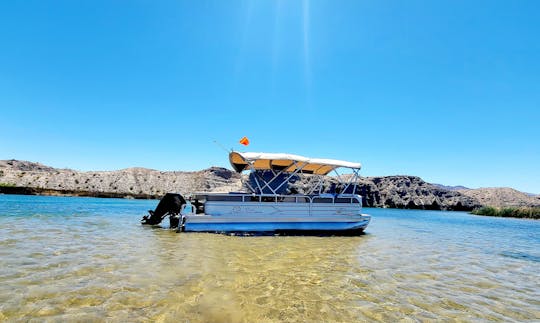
(244, 141)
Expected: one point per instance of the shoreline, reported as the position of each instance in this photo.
(518, 212)
(396, 191)
(24, 190)
(508, 212)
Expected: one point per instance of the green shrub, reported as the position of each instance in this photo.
(485, 210)
(514, 212)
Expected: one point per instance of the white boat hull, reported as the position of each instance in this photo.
(209, 223)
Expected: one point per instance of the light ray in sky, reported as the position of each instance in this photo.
(275, 42)
(307, 63)
(243, 40)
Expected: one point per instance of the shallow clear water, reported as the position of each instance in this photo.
(87, 259)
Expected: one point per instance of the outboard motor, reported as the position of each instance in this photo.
(170, 204)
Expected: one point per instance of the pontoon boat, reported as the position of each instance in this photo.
(274, 202)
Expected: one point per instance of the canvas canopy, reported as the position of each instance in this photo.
(286, 162)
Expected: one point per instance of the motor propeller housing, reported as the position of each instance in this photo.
(170, 204)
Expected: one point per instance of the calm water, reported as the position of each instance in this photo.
(85, 259)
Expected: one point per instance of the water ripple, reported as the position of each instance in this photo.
(89, 260)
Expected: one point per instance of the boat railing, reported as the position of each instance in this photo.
(259, 198)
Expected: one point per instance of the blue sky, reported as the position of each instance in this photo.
(445, 90)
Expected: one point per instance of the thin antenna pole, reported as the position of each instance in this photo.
(221, 146)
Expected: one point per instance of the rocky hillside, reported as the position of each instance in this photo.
(412, 192)
(404, 192)
(134, 182)
(389, 191)
(501, 196)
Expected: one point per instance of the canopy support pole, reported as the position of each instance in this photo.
(298, 169)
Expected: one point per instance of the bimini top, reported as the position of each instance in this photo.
(286, 162)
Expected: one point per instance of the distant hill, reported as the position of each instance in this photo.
(400, 191)
(452, 188)
(131, 182)
(501, 196)
(496, 196)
